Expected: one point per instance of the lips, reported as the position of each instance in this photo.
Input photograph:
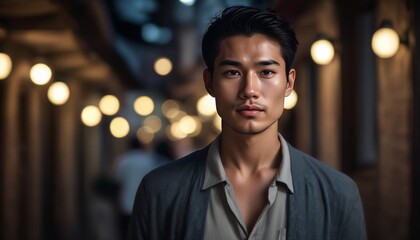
(249, 110)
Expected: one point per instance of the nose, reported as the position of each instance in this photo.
(250, 86)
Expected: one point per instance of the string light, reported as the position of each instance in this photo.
(58, 93)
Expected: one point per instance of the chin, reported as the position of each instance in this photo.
(249, 130)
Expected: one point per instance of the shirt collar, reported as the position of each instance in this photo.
(215, 172)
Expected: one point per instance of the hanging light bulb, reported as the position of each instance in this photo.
(109, 105)
(206, 106)
(322, 52)
(58, 93)
(291, 100)
(5, 65)
(91, 116)
(144, 105)
(119, 127)
(385, 41)
(40, 74)
(163, 66)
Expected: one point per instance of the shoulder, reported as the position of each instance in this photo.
(177, 171)
(314, 172)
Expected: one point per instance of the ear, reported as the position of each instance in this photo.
(291, 81)
(208, 82)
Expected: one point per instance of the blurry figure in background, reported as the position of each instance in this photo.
(103, 210)
(166, 149)
(130, 168)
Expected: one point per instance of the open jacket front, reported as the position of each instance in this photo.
(170, 204)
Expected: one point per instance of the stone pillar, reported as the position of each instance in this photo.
(394, 130)
(36, 143)
(328, 94)
(11, 171)
(66, 188)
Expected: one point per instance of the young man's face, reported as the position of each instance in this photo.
(249, 83)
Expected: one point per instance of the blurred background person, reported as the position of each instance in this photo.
(129, 170)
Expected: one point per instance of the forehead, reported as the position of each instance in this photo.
(254, 46)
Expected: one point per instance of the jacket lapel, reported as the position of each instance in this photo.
(298, 203)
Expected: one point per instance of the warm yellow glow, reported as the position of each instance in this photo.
(5, 65)
(144, 135)
(206, 105)
(58, 93)
(291, 100)
(119, 127)
(385, 42)
(91, 116)
(322, 52)
(174, 132)
(40, 74)
(153, 123)
(187, 125)
(170, 108)
(109, 105)
(217, 123)
(198, 126)
(144, 105)
(163, 66)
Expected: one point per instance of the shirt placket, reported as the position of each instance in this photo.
(256, 232)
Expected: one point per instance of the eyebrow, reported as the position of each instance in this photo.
(237, 64)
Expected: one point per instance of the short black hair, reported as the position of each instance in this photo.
(247, 21)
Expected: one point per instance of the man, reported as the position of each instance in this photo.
(248, 183)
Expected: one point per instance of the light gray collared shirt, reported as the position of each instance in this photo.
(224, 219)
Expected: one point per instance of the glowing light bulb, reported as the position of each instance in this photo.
(58, 93)
(322, 52)
(40, 74)
(144, 105)
(5, 65)
(291, 100)
(109, 105)
(91, 116)
(163, 66)
(206, 105)
(385, 42)
(119, 127)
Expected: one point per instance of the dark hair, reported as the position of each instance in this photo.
(244, 20)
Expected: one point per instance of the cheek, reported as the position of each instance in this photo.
(274, 91)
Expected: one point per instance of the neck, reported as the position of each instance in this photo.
(250, 152)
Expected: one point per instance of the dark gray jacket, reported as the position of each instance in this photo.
(170, 204)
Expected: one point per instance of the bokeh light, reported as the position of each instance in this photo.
(187, 124)
(109, 105)
(40, 74)
(163, 66)
(206, 105)
(5, 65)
(217, 123)
(175, 132)
(291, 100)
(145, 135)
(58, 93)
(91, 116)
(144, 105)
(153, 123)
(187, 2)
(322, 52)
(119, 127)
(170, 108)
(385, 42)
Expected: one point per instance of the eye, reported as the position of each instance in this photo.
(267, 72)
(231, 73)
